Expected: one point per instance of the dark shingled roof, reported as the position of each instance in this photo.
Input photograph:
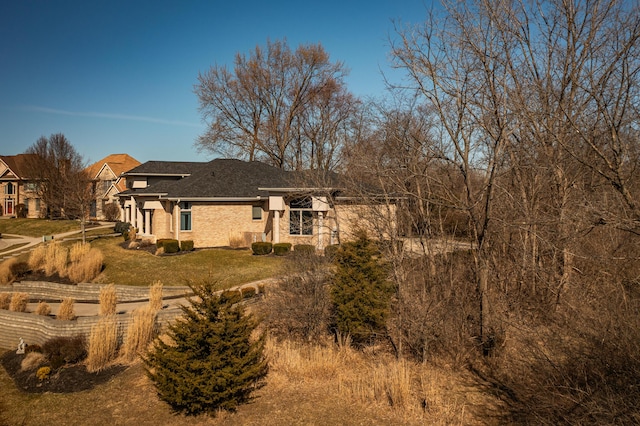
(165, 168)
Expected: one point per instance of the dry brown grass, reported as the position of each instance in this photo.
(78, 251)
(19, 302)
(5, 300)
(6, 272)
(37, 256)
(155, 296)
(87, 266)
(410, 391)
(66, 310)
(108, 300)
(103, 343)
(43, 309)
(140, 332)
(55, 259)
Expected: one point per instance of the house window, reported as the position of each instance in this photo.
(300, 217)
(185, 216)
(9, 189)
(26, 206)
(37, 204)
(30, 186)
(256, 213)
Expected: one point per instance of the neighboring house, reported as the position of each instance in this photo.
(108, 182)
(17, 194)
(231, 202)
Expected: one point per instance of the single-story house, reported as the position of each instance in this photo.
(228, 202)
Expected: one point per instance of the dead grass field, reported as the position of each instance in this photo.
(306, 385)
(37, 227)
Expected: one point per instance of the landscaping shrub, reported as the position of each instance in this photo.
(103, 343)
(111, 211)
(122, 227)
(330, 251)
(66, 310)
(87, 267)
(361, 294)
(304, 249)
(32, 360)
(160, 242)
(6, 271)
(55, 259)
(155, 296)
(140, 332)
(298, 306)
(43, 309)
(261, 248)
(212, 362)
(130, 235)
(281, 249)
(19, 302)
(5, 300)
(43, 373)
(64, 350)
(108, 300)
(186, 245)
(33, 348)
(171, 246)
(37, 256)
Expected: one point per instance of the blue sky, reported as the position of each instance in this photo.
(117, 76)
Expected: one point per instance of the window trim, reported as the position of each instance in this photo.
(254, 210)
(301, 207)
(185, 211)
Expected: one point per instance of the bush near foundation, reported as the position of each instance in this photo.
(281, 249)
(261, 248)
(168, 245)
(304, 249)
(186, 245)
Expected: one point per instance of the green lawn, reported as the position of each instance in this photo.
(138, 267)
(37, 227)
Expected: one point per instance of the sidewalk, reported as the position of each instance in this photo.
(25, 244)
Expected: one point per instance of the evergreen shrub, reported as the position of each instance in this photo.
(330, 251)
(212, 362)
(304, 249)
(261, 248)
(186, 245)
(281, 249)
(171, 246)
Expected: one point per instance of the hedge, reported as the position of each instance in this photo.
(304, 248)
(261, 248)
(281, 249)
(186, 245)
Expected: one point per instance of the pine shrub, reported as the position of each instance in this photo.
(212, 363)
(330, 251)
(122, 228)
(281, 249)
(261, 248)
(361, 294)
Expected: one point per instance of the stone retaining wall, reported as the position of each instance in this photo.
(42, 290)
(37, 329)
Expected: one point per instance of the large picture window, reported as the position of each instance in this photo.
(300, 217)
(185, 216)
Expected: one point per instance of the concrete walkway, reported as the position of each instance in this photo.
(25, 244)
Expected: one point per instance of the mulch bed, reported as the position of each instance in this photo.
(67, 379)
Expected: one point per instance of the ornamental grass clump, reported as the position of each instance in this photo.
(43, 309)
(86, 263)
(55, 259)
(108, 300)
(66, 310)
(19, 302)
(5, 300)
(103, 343)
(155, 296)
(6, 271)
(37, 256)
(140, 332)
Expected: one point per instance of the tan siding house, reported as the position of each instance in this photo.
(108, 182)
(17, 194)
(230, 202)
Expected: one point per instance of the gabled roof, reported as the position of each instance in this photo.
(16, 164)
(117, 163)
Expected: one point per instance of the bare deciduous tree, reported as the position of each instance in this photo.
(289, 108)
